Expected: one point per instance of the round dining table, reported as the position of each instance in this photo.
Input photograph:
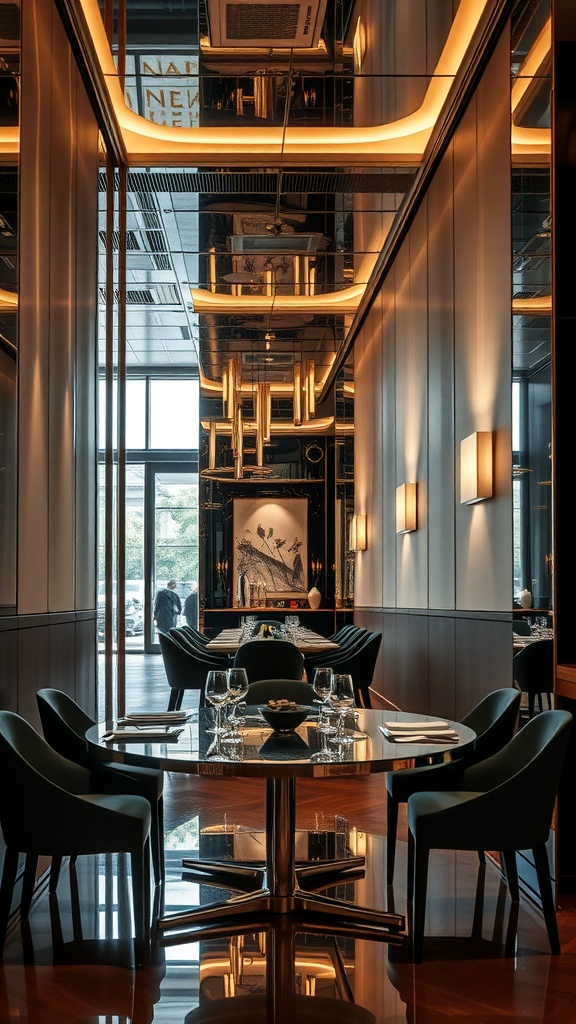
(254, 750)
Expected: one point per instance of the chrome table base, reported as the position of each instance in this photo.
(280, 887)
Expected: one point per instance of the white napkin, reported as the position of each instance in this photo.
(412, 736)
(416, 726)
(154, 718)
(141, 735)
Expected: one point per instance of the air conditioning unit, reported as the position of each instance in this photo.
(252, 24)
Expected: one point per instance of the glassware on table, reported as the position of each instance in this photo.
(322, 686)
(217, 694)
(237, 680)
(343, 699)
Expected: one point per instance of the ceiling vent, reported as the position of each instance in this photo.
(259, 23)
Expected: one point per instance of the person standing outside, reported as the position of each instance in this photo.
(191, 607)
(167, 607)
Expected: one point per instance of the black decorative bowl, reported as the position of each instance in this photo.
(284, 721)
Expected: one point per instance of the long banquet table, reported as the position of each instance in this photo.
(280, 886)
(307, 641)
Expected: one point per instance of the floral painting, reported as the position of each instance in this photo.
(270, 548)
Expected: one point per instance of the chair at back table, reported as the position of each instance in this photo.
(265, 659)
(533, 671)
(493, 720)
(359, 662)
(347, 645)
(184, 671)
(50, 809)
(195, 634)
(264, 690)
(193, 646)
(503, 803)
(64, 725)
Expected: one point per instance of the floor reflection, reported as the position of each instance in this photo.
(485, 959)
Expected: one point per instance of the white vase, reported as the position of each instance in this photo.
(525, 599)
(314, 598)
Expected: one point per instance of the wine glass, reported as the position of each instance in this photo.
(342, 698)
(217, 694)
(237, 679)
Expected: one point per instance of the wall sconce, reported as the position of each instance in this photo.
(476, 467)
(359, 44)
(358, 533)
(406, 508)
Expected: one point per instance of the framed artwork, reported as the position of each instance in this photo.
(270, 549)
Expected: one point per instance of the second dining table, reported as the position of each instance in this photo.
(280, 886)
(306, 640)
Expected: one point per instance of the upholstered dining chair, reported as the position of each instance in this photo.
(358, 660)
(50, 809)
(493, 720)
(64, 725)
(184, 671)
(193, 646)
(264, 690)
(264, 659)
(503, 803)
(195, 634)
(533, 671)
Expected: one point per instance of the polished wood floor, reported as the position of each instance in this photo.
(484, 961)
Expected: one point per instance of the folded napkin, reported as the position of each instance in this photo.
(424, 736)
(154, 718)
(142, 735)
(416, 726)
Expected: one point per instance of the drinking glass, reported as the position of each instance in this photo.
(217, 694)
(237, 689)
(343, 699)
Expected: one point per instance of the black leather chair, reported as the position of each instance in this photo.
(520, 627)
(266, 659)
(193, 646)
(359, 661)
(184, 671)
(50, 809)
(533, 671)
(493, 720)
(64, 725)
(503, 803)
(275, 689)
(195, 634)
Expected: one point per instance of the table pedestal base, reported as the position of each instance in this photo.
(280, 887)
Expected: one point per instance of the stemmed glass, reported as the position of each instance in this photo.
(343, 700)
(237, 680)
(322, 686)
(217, 694)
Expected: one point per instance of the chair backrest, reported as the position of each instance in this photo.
(184, 670)
(522, 779)
(274, 689)
(195, 634)
(192, 646)
(265, 659)
(64, 725)
(521, 627)
(358, 662)
(494, 721)
(533, 667)
(36, 773)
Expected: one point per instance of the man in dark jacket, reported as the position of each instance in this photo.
(167, 607)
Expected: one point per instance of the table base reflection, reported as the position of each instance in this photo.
(281, 887)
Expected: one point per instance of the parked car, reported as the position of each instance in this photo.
(133, 608)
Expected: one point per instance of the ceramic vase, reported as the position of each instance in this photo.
(525, 599)
(314, 597)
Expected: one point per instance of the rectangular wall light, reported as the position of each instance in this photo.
(358, 533)
(406, 508)
(476, 467)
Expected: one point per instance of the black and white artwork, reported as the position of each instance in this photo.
(271, 547)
